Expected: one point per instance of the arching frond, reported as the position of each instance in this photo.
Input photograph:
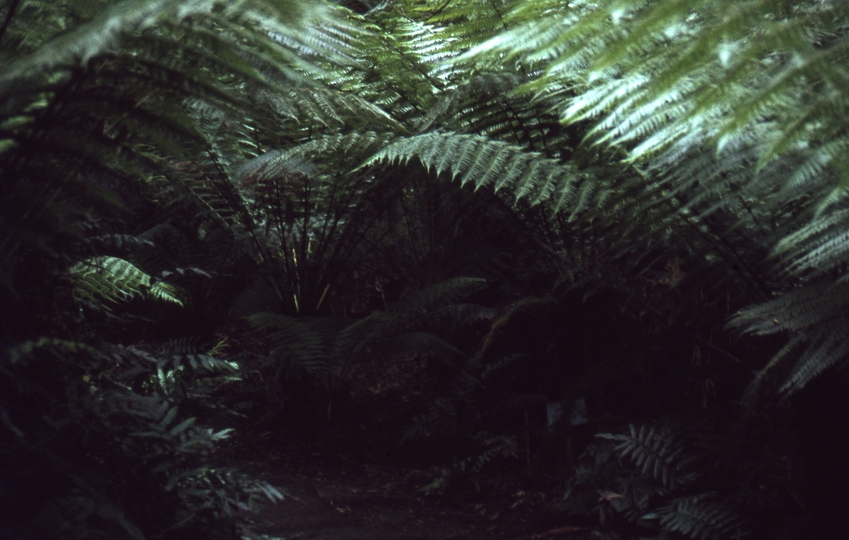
(111, 24)
(484, 162)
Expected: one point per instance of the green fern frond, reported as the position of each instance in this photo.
(666, 92)
(815, 317)
(486, 163)
(465, 22)
(332, 110)
(697, 518)
(112, 279)
(796, 310)
(338, 150)
(658, 453)
(824, 350)
(103, 32)
(110, 25)
(817, 249)
(176, 353)
(736, 113)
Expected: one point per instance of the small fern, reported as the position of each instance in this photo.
(654, 451)
(698, 519)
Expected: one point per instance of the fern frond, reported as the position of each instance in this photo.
(796, 310)
(735, 113)
(818, 248)
(111, 24)
(824, 350)
(116, 280)
(465, 22)
(299, 346)
(487, 105)
(439, 295)
(338, 150)
(484, 162)
(658, 453)
(697, 518)
(758, 389)
(350, 343)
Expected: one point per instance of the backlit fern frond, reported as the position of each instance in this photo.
(111, 23)
(735, 114)
(464, 23)
(394, 69)
(730, 62)
(794, 311)
(818, 249)
(334, 151)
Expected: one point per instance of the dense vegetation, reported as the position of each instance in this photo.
(439, 219)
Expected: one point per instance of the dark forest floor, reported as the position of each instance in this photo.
(331, 496)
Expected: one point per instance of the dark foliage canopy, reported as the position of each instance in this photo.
(371, 184)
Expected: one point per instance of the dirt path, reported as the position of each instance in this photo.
(329, 497)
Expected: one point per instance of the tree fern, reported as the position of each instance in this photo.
(272, 146)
